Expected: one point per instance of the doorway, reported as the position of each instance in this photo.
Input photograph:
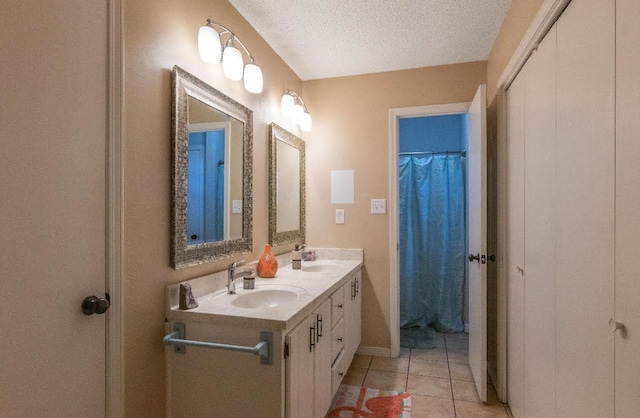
(475, 221)
(432, 228)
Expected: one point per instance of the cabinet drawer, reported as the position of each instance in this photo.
(338, 371)
(337, 306)
(337, 339)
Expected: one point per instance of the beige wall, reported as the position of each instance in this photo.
(159, 35)
(351, 131)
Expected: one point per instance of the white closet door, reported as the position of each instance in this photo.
(539, 227)
(515, 256)
(585, 211)
(627, 283)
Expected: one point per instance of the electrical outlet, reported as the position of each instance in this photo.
(236, 206)
(339, 216)
(378, 206)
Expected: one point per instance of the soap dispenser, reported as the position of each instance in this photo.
(296, 257)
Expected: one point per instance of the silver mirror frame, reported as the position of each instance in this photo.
(278, 133)
(185, 85)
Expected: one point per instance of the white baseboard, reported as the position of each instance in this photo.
(466, 328)
(374, 351)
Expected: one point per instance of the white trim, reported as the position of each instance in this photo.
(374, 351)
(114, 209)
(394, 280)
(544, 20)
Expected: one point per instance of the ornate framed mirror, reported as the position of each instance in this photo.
(286, 187)
(211, 173)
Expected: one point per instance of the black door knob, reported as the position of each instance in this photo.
(94, 305)
(474, 257)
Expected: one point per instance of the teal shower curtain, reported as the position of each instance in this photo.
(432, 241)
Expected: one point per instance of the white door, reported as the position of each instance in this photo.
(477, 208)
(52, 207)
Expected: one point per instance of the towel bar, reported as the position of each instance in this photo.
(264, 348)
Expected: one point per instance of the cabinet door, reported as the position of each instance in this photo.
(322, 360)
(627, 282)
(353, 316)
(585, 209)
(299, 369)
(515, 248)
(539, 230)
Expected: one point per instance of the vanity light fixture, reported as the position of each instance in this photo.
(213, 51)
(292, 106)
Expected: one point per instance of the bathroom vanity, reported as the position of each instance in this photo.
(311, 317)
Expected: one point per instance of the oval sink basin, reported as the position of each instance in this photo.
(264, 299)
(319, 268)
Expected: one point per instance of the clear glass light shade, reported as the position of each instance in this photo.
(209, 45)
(305, 122)
(232, 64)
(253, 78)
(286, 105)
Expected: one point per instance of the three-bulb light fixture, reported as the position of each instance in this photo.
(292, 106)
(212, 51)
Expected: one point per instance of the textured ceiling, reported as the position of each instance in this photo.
(332, 38)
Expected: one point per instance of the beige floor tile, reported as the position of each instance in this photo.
(397, 365)
(458, 357)
(457, 336)
(457, 346)
(405, 352)
(478, 410)
(436, 354)
(431, 407)
(430, 386)
(355, 376)
(464, 391)
(377, 379)
(361, 361)
(439, 340)
(429, 368)
(460, 372)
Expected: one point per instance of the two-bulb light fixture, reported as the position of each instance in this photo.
(212, 51)
(292, 106)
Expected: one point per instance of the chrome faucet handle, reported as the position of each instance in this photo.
(235, 264)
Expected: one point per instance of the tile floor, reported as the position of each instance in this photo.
(439, 379)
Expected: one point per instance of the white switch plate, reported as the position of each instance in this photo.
(236, 206)
(339, 216)
(378, 206)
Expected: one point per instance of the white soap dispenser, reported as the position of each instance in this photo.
(296, 258)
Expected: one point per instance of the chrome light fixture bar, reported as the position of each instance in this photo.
(292, 106)
(212, 51)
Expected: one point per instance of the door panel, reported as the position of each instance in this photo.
(627, 283)
(539, 228)
(52, 230)
(585, 209)
(477, 189)
(515, 237)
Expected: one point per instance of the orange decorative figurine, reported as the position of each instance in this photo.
(268, 264)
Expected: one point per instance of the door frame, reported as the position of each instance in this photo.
(394, 217)
(114, 345)
(547, 15)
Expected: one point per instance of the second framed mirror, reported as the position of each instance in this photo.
(286, 187)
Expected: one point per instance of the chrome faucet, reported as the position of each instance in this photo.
(232, 275)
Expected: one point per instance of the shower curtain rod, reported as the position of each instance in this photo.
(461, 152)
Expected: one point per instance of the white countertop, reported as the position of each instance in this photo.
(311, 288)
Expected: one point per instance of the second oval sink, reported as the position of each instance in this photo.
(264, 299)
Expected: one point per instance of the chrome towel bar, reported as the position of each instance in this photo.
(264, 348)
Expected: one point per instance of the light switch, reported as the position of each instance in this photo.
(378, 206)
(339, 216)
(236, 206)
